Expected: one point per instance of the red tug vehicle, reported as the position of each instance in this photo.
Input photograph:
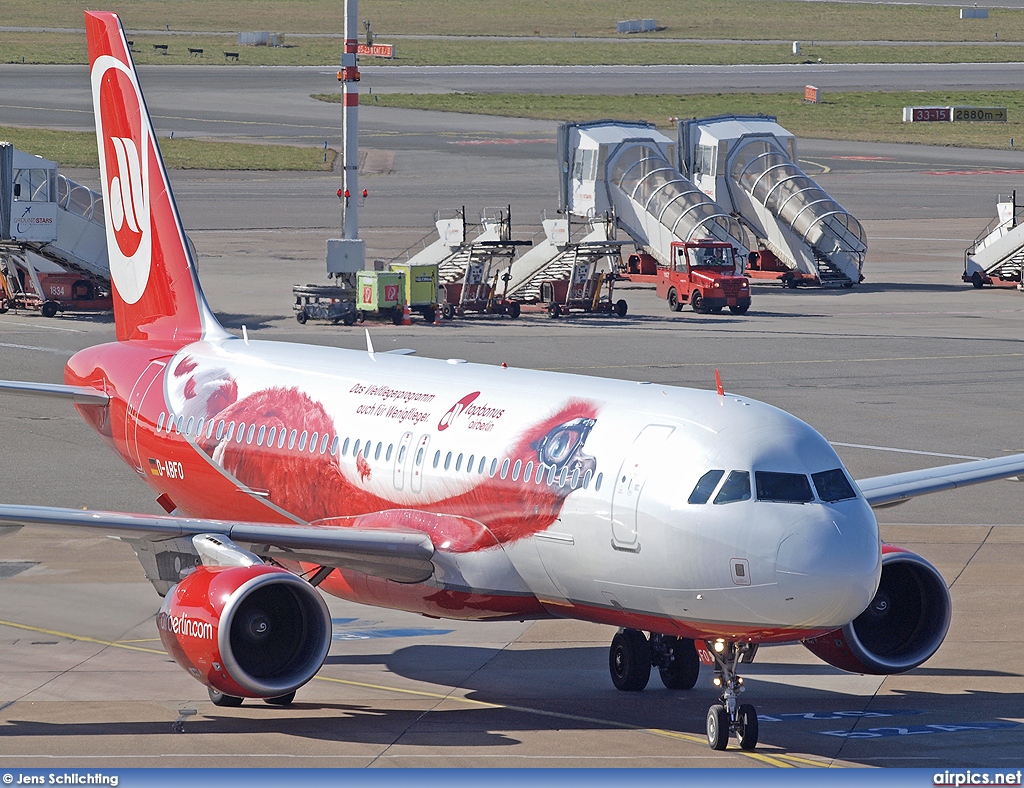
(707, 276)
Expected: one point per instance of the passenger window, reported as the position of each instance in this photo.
(782, 487)
(312, 441)
(575, 478)
(401, 455)
(528, 471)
(209, 428)
(229, 433)
(391, 448)
(833, 486)
(437, 458)
(563, 475)
(323, 443)
(736, 488)
(178, 424)
(302, 440)
(597, 484)
(334, 446)
(480, 467)
(515, 470)
(469, 464)
(494, 467)
(252, 433)
(448, 461)
(199, 426)
(586, 479)
(705, 486)
(344, 448)
(376, 453)
(458, 463)
(419, 457)
(220, 429)
(291, 439)
(270, 437)
(191, 421)
(240, 432)
(282, 437)
(355, 448)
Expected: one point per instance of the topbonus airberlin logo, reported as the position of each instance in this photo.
(123, 136)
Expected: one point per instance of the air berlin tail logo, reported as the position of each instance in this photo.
(123, 135)
(125, 194)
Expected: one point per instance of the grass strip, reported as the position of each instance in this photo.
(78, 149)
(742, 19)
(865, 117)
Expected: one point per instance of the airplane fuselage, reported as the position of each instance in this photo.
(586, 511)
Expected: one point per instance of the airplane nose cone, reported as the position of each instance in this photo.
(828, 570)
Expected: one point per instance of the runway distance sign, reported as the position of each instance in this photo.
(954, 114)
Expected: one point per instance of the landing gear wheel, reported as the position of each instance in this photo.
(49, 308)
(697, 303)
(718, 727)
(300, 316)
(286, 700)
(746, 726)
(739, 309)
(220, 699)
(554, 310)
(977, 280)
(629, 660)
(673, 301)
(621, 307)
(513, 310)
(682, 672)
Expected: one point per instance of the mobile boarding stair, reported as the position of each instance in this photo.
(50, 226)
(628, 170)
(997, 254)
(747, 163)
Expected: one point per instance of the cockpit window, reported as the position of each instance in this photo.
(736, 488)
(833, 486)
(784, 487)
(705, 486)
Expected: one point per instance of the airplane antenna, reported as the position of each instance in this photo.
(369, 343)
(718, 383)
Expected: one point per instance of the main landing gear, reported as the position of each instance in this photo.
(632, 655)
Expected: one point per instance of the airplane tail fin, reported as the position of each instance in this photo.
(156, 289)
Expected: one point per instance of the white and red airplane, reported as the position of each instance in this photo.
(711, 521)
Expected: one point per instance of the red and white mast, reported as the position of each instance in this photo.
(350, 122)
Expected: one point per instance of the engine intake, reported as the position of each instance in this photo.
(252, 631)
(903, 626)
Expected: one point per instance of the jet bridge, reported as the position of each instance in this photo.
(747, 163)
(627, 170)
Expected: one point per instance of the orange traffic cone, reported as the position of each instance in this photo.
(406, 316)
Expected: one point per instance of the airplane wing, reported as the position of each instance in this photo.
(897, 488)
(403, 555)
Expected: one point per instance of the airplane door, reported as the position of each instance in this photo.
(402, 460)
(152, 374)
(419, 460)
(630, 483)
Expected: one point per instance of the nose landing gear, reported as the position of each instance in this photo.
(729, 716)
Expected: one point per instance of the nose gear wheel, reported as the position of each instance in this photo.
(728, 717)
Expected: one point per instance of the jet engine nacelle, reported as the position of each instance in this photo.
(249, 631)
(901, 628)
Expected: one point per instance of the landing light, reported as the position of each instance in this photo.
(719, 645)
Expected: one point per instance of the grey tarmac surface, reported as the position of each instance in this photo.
(907, 370)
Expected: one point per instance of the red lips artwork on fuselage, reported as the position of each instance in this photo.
(313, 486)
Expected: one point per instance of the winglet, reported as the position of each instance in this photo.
(718, 384)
